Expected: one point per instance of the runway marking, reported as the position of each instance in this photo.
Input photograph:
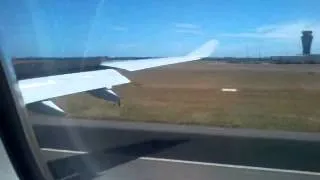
(201, 163)
(228, 90)
(231, 166)
(63, 151)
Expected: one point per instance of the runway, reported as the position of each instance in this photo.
(106, 149)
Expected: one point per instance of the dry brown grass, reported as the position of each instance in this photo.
(282, 97)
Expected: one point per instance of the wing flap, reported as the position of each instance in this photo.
(46, 107)
(106, 94)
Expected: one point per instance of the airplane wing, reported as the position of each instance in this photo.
(39, 91)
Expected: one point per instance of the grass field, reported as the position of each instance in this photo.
(283, 97)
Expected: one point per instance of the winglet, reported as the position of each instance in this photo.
(205, 50)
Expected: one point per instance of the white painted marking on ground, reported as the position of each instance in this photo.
(63, 151)
(201, 163)
(231, 166)
(228, 90)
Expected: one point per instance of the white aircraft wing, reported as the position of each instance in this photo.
(133, 65)
(97, 83)
(37, 89)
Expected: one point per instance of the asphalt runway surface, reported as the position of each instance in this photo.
(105, 150)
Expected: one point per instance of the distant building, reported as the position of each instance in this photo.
(306, 40)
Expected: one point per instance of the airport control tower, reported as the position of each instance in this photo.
(306, 40)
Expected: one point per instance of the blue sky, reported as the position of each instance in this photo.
(154, 27)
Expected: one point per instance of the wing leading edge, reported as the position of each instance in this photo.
(100, 82)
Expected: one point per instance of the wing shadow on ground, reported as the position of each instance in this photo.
(88, 166)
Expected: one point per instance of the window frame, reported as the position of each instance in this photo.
(16, 133)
